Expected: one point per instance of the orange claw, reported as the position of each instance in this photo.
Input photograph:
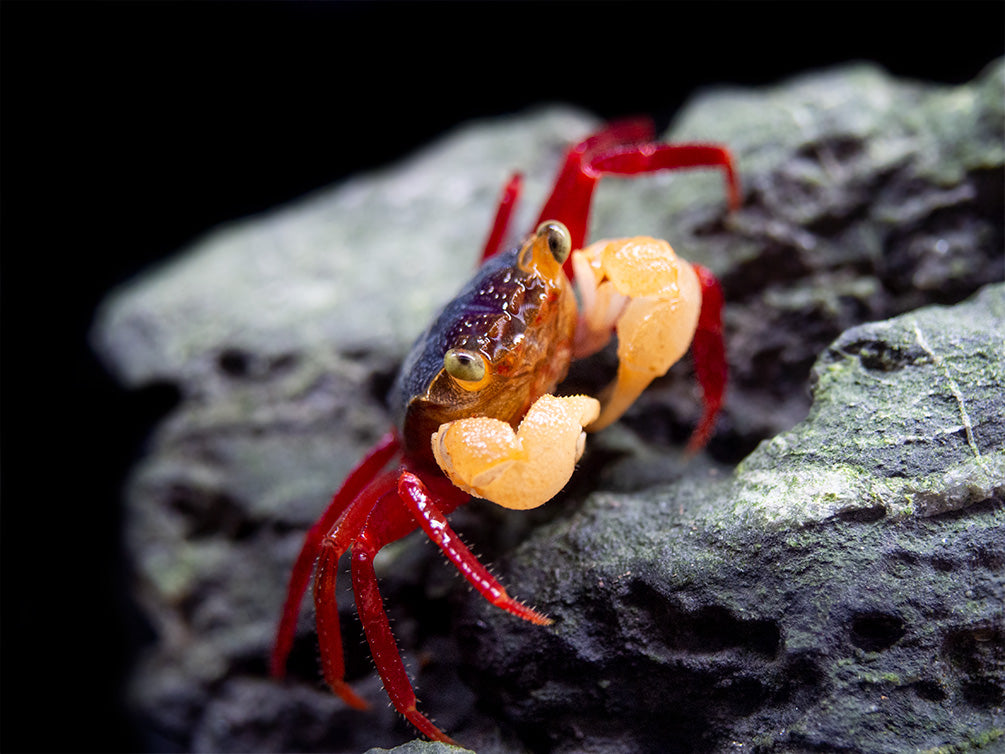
(651, 297)
(521, 469)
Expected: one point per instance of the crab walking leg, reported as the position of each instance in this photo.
(569, 201)
(364, 473)
(329, 630)
(507, 203)
(336, 542)
(624, 150)
(381, 640)
(521, 469)
(649, 158)
(709, 353)
(417, 499)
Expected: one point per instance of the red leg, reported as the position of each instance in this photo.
(345, 530)
(709, 357)
(649, 158)
(507, 203)
(418, 500)
(572, 193)
(365, 471)
(623, 131)
(329, 630)
(381, 640)
(623, 149)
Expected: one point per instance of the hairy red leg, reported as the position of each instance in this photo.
(709, 354)
(381, 640)
(364, 472)
(329, 630)
(416, 497)
(507, 203)
(335, 543)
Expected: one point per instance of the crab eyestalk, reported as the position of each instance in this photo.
(545, 251)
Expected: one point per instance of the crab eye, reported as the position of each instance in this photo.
(559, 240)
(464, 365)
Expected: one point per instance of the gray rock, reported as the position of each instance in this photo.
(842, 591)
(865, 197)
(420, 747)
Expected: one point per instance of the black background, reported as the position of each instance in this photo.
(128, 129)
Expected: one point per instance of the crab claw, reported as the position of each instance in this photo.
(521, 469)
(652, 297)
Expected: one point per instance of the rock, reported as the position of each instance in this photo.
(842, 591)
(865, 197)
(420, 747)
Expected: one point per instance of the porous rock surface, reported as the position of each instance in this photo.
(841, 590)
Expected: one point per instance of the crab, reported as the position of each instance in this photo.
(474, 405)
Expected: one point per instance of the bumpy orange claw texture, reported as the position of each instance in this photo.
(650, 297)
(521, 469)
